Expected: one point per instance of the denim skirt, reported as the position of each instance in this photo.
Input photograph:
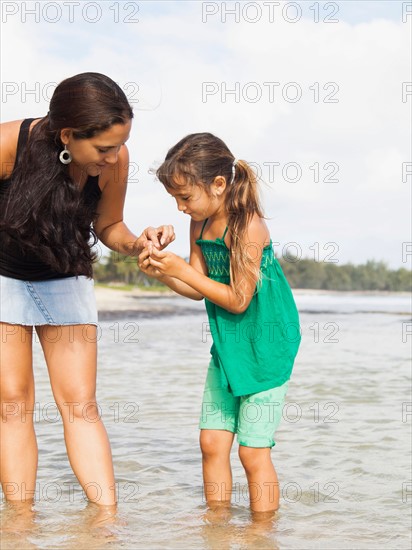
(68, 301)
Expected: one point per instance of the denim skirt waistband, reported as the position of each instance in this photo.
(69, 301)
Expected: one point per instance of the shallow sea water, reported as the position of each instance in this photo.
(343, 453)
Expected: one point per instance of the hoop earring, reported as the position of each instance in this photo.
(65, 156)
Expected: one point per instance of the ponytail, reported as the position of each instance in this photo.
(242, 202)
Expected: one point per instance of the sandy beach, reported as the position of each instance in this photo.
(113, 299)
(113, 303)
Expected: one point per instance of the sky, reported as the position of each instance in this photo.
(315, 95)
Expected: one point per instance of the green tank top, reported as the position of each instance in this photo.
(256, 349)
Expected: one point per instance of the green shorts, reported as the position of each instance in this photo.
(254, 418)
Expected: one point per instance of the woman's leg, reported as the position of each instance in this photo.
(18, 446)
(217, 473)
(261, 477)
(71, 356)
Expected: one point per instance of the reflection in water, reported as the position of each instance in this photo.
(17, 523)
(95, 527)
(226, 527)
(18, 516)
(101, 517)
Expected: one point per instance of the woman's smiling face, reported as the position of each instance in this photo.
(96, 153)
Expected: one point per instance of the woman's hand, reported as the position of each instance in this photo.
(160, 236)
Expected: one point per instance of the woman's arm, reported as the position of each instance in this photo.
(110, 227)
(220, 294)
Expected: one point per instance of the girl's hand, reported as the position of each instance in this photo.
(166, 263)
(160, 236)
(144, 264)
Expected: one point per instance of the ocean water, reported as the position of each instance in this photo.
(343, 453)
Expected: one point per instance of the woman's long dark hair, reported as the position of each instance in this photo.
(44, 209)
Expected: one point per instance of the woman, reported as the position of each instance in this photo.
(60, 174)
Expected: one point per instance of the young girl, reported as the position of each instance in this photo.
(252, 315)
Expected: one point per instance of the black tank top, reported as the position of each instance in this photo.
(15, 261)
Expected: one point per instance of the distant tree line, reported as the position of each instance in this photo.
(302, 273)
(330, 276)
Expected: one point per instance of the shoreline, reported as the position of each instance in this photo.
(122, 300)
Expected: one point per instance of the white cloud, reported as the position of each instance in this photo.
(170, 53)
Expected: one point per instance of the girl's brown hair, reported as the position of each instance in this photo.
(199, 159)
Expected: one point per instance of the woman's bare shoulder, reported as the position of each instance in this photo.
(9, 134)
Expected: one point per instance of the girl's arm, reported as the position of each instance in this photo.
(220, 294)
(110, 227)
(175, 284)
(196, 261)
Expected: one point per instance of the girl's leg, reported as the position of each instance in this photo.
(259, 416)
(18, 446)
(71, 356)
(262, 479)
(218, 422)
(217, 473)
